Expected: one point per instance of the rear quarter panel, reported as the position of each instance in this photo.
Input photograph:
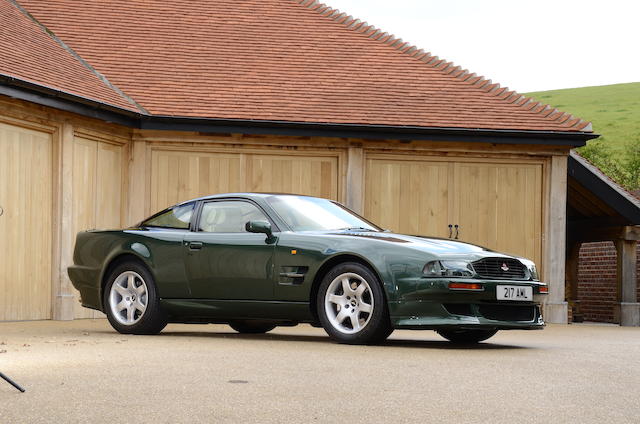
(161, 251)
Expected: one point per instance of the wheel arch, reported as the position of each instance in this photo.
(327, 266)
(116, 260)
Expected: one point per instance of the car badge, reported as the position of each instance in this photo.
(504, 267)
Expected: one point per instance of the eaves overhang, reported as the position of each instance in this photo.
(626, 206)
(46, 96)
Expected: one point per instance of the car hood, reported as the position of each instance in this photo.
(445, 248)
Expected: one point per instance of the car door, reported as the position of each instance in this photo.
(162, 238)
(223, 260)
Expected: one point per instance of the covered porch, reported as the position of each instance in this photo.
(600, 210)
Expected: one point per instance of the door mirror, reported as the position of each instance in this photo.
(259, 227)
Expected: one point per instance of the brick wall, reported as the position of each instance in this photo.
(597, 281)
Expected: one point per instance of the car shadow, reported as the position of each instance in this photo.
(405, 343)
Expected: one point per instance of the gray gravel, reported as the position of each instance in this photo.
(83, 371)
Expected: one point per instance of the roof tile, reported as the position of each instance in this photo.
(32, 55)
(283, 60)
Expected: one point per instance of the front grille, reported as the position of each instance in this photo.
(509, 312)
(500, 268)
(459, 309)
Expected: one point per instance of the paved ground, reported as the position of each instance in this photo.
(82, 371)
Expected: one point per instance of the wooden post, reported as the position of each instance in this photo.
(573, 260)
(137, 182)
(355, 179)
(62, 287)
(629, 308)
(556, 308)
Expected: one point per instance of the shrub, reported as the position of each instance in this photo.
(623, 169)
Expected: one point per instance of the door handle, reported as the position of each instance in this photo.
(450, 230)
(456, 227)
(195, 245)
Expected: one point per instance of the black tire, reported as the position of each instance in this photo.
(376, 325)
(467, 336)
(252, 327)
(150, 321)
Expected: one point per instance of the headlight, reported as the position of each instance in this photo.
(531, 267)
(459, 269)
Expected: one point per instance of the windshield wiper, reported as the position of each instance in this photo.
(356, 229)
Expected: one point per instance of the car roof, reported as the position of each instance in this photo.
(248, 195)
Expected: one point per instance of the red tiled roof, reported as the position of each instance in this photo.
(29, 54)
(281, 60)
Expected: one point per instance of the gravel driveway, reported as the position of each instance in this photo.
(82, 371)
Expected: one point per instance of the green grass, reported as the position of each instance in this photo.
(614, 111)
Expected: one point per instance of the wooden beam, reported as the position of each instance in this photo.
(138, 175)
(631, 233)
(62, 288)
(629, 312)
(355, 179)
(556, 308)
(589, 232)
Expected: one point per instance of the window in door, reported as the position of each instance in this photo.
(228, 216)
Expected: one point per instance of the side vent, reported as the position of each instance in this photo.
(292, 275)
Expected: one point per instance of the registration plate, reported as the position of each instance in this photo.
(523, 293)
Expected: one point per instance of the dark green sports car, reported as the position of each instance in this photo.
(257, 261)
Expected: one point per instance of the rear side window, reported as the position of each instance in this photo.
(177, 217)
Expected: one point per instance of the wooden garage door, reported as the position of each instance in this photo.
(497, 204)
(177, 176)
(25, 223)
(407, 196)
(97, 192)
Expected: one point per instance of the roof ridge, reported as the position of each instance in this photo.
(73, 53)
(446, 67)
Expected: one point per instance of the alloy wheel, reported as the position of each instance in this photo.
(128, 298)
(349, 303)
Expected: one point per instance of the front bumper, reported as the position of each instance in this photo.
(433, 305)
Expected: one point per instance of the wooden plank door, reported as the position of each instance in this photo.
(97, 192)
(408, 196)
(294, 174)
(25, 223)
(499, 205)
(177, 176)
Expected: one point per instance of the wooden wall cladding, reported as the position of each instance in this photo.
(97, 192)
(179, 175)
(26, 184)
(497, 204)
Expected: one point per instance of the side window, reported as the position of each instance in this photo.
(228, 216)
(177, 217)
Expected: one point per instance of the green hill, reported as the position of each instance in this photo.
(614, 111)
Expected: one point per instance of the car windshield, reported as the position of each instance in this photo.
(313, 214)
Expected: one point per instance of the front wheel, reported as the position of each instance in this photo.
(351, 305)
(131, 300)
(467, 336)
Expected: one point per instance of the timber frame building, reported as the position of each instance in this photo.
(112, 110)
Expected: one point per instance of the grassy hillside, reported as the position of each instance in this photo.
(614, 111)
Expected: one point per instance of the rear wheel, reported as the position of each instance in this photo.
(467, 336)
(351, 305)
(252, 327)
(131, 300)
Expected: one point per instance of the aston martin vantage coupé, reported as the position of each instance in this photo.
(256, 261)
